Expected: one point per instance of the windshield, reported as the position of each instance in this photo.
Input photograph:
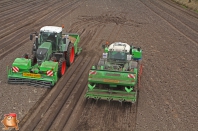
(117, 55)
(41, 53)
(47, 36)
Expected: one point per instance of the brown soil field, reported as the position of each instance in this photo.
(166, 32)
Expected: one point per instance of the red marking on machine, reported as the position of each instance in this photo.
(49, 73)
(92, 72)
(131, 76)
(15, 69)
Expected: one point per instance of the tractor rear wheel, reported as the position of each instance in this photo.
(61, 67)
(70, 54)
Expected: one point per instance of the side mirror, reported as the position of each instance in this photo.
(103, 46)
(31, 37)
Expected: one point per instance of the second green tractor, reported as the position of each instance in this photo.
(116, 76)
(52, 52)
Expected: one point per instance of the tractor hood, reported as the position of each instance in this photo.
(41, 53)
(43, 50)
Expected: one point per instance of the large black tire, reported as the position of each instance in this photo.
(33, 59)
(70, 54)
(61, 67)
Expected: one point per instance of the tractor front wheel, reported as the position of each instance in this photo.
(70, 54)
(61, 67)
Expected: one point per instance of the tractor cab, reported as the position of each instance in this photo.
(118, 52)
(121, 52)
(118, 56)
(51, 34)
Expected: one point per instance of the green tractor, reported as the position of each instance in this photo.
(116, 76)
(52, 52)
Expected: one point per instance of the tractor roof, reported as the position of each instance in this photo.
(52, 29)
(119, 46)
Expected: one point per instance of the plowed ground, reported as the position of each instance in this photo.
(168, 93)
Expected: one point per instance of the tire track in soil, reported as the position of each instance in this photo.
(4, 51)
(131, 112)
(175, 114)
(38, 103)
(80, 23)
(26, 117)
(190, 23)
(92, 19)
(10, 25)
(87, 126)
(94, 30)
(175, 5)
(55, 126)
(22, 87)
(160, 93)
(160, 79)
(19, 13)
(107, 111)
(171, 50)
(8, 6)
(157, 93)
(63, 100)
(178, 53)
(33, 118)
(93, 25)
(170, 57)
(63, 115)
(181, 28)
(105, 108)
(171, 90)
(71, 122)
(75, 115)
(87, 38)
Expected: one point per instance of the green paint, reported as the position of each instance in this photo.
(49, 44)
(115, 77)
